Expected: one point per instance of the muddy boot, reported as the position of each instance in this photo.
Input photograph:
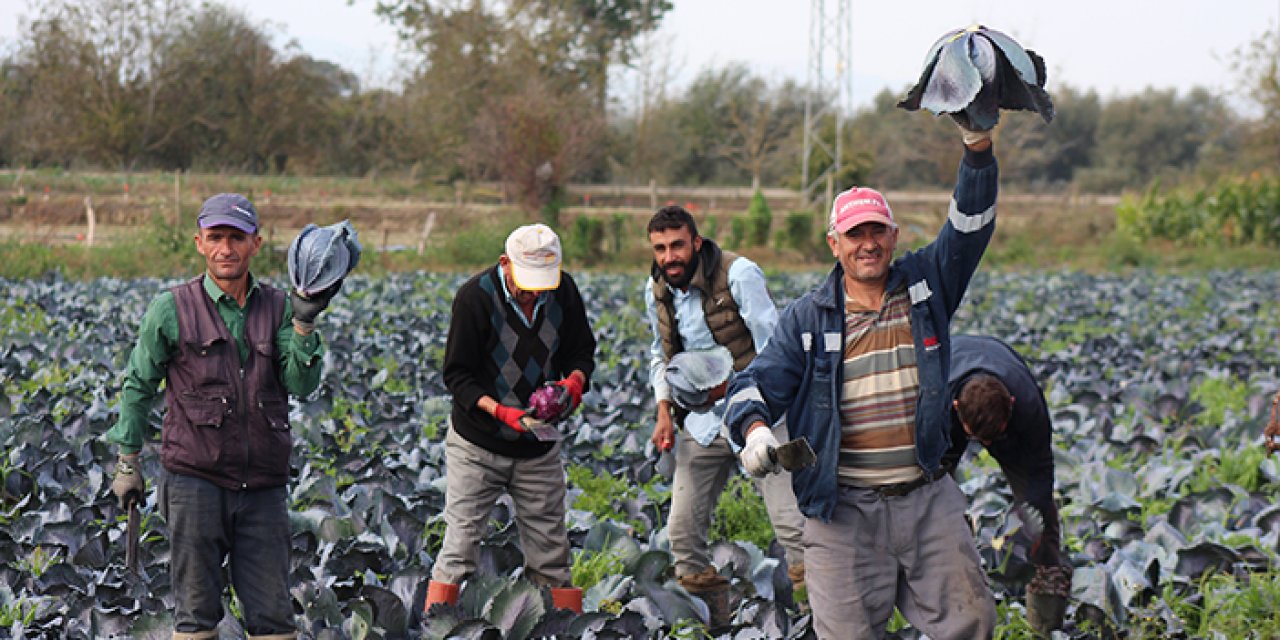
(799, 594)
(713, 588)
(440, 593)
(211, 634)
(1047, 599)
(567, 598)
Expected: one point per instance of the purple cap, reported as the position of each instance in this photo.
(230, 210)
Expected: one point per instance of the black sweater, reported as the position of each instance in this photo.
(476, 352)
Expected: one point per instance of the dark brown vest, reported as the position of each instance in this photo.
(721, 310)
(227, 421)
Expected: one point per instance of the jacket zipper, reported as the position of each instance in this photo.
(242, 405)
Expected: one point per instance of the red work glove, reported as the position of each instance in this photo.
(509, 416)
(574, 388)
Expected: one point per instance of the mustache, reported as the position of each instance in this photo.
(678, 264)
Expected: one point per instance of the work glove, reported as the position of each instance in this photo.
(511, 417)
(757, 457)
(968, 132)
(128, 483)
(1047, 598)
(574, 388)
(305, 309)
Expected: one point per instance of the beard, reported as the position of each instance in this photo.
(686, 275)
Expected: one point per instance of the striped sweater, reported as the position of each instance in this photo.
(878, 394)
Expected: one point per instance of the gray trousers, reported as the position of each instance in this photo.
(476, 479)
(914, 552)
(700, 477)
(209, 524)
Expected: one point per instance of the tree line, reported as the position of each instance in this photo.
(519, 91)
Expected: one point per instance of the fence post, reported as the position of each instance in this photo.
(88, 212)
(653, 194)
(177, 197)
(426, 232)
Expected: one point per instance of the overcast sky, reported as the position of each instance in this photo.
(1114, 46)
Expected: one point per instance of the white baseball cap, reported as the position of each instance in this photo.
(534, 252)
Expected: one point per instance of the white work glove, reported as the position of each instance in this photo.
(755, 456)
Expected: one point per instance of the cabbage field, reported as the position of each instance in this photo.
(1159, 387)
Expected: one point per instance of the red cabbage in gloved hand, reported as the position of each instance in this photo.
(551, 403)
(321, 256)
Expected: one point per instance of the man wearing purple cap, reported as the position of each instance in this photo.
(860, 366)
(230, 349)
(516, 327)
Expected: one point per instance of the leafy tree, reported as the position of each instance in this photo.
(1258, 65)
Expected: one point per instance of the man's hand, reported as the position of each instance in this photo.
(305, 309)
(128, 483)
(572, 384)
(664, 431)
(509, 416)
(756, 458)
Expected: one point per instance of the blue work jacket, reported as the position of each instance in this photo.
(799, 372)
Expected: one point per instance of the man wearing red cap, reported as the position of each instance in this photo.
(860, 366)
(516, 326)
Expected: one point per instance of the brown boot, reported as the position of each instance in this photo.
(713, 588)
(567, 598)
(440, 592)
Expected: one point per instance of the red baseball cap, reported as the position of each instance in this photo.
(857, 206)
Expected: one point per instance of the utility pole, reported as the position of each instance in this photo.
(828, 92)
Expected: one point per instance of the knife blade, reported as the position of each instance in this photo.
(794, 455)
(131, 542)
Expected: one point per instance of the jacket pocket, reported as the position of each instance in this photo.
(198, 443)
(272, 440)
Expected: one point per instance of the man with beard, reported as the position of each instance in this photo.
(229, 349)
(700, 297)
(860, 366)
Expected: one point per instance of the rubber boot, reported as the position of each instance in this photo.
(276, 636)
(713, 588)
(440, 593)
(567, 598)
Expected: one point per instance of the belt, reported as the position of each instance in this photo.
(900, 489)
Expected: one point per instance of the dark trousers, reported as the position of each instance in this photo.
(208, 525)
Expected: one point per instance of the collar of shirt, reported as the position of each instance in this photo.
(537, 306)
(217, 294)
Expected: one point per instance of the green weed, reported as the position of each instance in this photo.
(590, 567)
(602, 493)
(37, 562)
(741, 515)
(1218, 396)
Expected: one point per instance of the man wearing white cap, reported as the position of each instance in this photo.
(515, 327)
(860, 366)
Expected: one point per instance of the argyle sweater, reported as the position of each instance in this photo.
(491, 352)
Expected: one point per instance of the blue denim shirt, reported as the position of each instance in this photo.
(747, 284)
(799, 372)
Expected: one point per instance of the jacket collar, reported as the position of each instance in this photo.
(830, 294)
